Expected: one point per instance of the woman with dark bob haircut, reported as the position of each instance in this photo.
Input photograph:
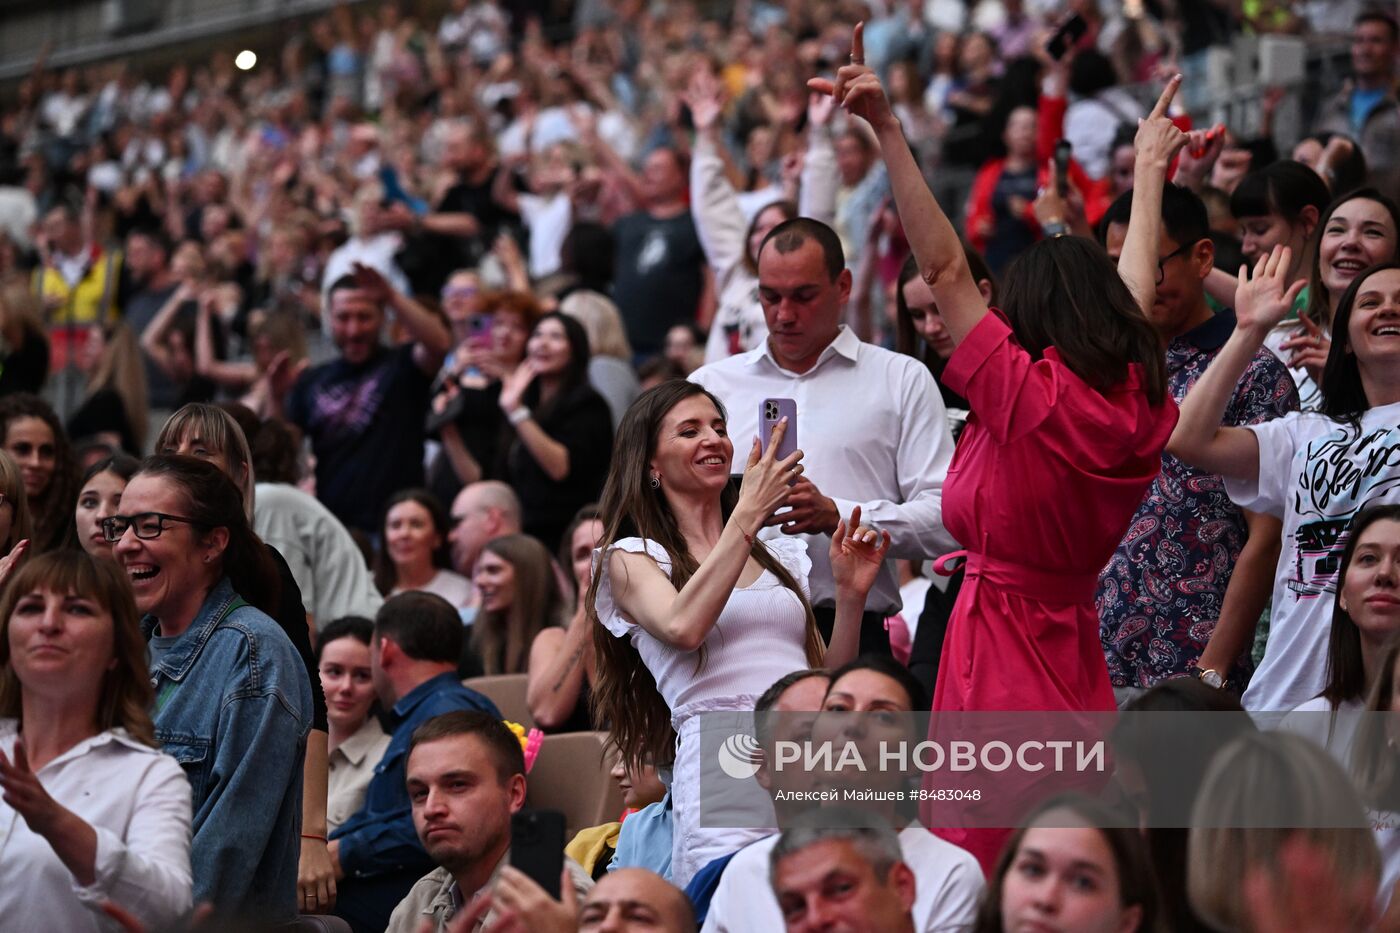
(1061, 837)
(1070, 413)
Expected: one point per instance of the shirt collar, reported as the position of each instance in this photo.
(418, 694)
(10, 728)
(846, 344)
(1210, 335)
(362, 742)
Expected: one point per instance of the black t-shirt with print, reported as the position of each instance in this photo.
(659, 276)
(365, 422)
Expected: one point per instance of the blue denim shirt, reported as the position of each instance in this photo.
(380, 837)
(233, 707)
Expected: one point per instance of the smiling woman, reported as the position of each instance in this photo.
(413, 555)
(1315, 471)
(31, 433)
(228, 678)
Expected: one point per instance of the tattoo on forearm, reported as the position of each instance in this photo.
(568, 668)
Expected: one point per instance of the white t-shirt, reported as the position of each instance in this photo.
(1314, 474)
(548, 219)
(947, 886)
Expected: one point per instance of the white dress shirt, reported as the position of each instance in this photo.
(874, 432)
(137, 800)
(947, 886)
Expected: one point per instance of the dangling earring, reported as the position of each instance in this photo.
(656, 481)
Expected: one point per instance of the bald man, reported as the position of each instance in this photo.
(482, 511)
(635, 899)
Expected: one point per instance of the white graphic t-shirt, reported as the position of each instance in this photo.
(1314, 474)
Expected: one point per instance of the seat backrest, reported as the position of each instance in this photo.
(315, 923)
(572, 775)
(507, 691)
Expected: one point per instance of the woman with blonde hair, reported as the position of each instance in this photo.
(1258, 788)
(610, 370)
(115, 409)
(94, 810)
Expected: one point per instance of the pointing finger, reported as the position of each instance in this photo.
(1165, 101)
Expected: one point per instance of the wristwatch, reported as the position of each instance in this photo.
(1055, 228)
(1211, 678)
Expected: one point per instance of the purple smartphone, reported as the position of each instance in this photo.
(770, 412)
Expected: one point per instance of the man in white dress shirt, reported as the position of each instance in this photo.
(871, 422)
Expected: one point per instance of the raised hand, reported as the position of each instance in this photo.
(1158, 139)
(20, 788)
(1309, 348)
(705, 98)
(767, 480)
(857, 89)
(821, 106)
(857, 553)
(513, 386)
(1263, 301)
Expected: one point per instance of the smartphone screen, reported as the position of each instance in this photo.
(1069, 33)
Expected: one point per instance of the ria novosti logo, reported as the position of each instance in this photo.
(739, 756)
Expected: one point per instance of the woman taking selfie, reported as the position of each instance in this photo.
(230, 684)
(92, 810)
(696, 613)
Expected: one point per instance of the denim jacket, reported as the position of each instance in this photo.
(233, 707)
(380, 837)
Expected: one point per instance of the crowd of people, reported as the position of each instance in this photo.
(779, 358)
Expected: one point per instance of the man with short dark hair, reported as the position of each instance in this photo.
(1367, 110)
(871, 422)
(465, 778)
(413, 660)
(364, 410)
(147, 284)
(842, 877)
(1186, 586)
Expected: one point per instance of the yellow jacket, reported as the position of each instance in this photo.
(93, 300)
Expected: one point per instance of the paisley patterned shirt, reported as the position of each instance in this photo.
(1161, 593)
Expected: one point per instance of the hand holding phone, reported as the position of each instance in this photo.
(770, 412)
(537, 847)
(1066, 37)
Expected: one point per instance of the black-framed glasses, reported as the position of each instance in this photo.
(1162, 263)
(147, 525)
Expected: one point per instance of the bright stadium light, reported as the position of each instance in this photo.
(246, 60)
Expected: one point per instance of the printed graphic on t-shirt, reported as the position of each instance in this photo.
(1341, 474)
(346, 409)
(653, 252)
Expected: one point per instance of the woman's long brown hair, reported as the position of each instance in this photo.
(502, 639)
(625, 694)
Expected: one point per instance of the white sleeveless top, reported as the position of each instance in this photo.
(760, 635)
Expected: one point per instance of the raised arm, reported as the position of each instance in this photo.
(1199, 439)
(684, 619)
(930, 233)
(714, 205)
(1158, 141)
(430, 333)
(153, 337)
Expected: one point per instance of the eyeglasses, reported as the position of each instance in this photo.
(1162, 263)
(147, 525)
(463, 291)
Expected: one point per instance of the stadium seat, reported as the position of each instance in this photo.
(507, 691)
(571, 775)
